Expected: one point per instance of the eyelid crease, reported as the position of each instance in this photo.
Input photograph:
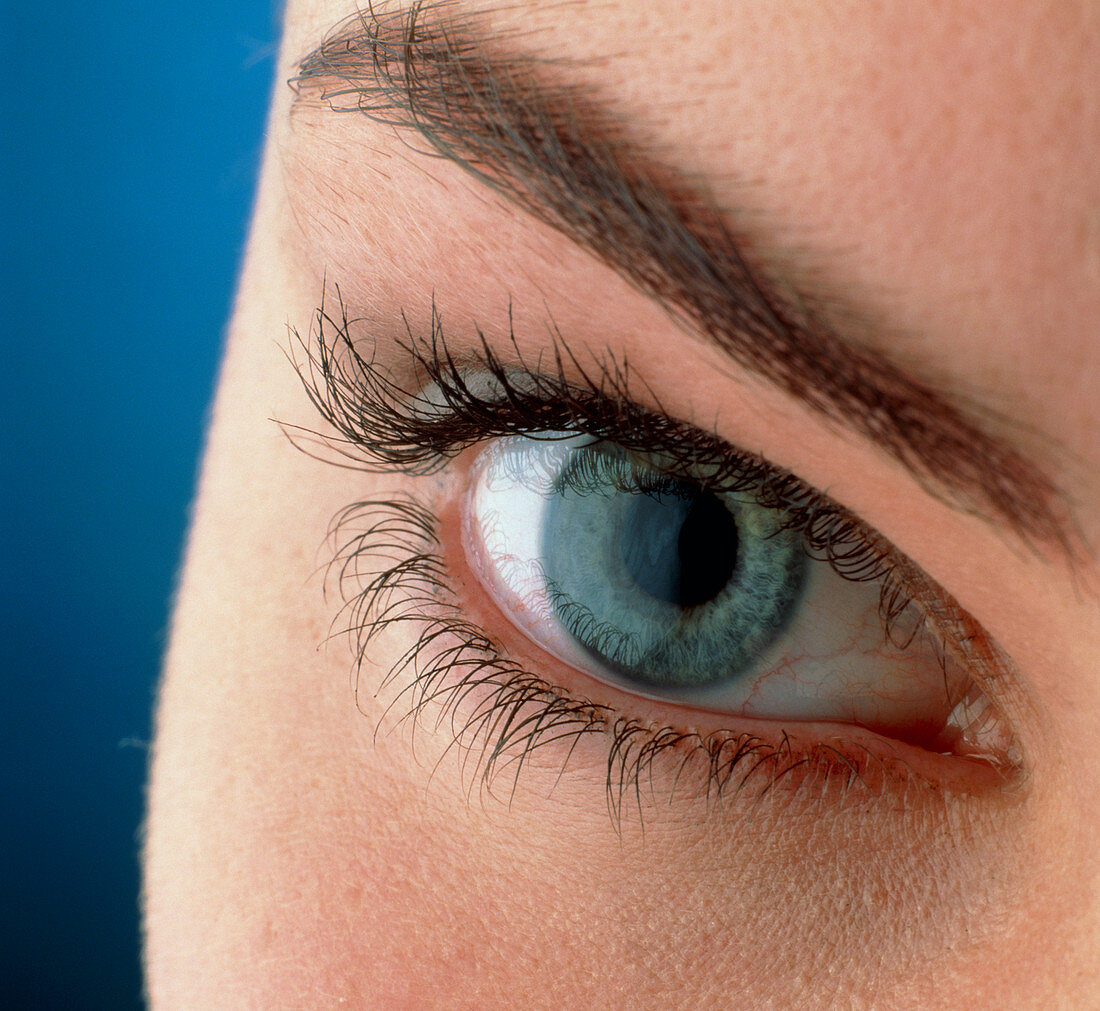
(429, 71)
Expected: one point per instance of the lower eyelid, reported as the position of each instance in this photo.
(846, 750)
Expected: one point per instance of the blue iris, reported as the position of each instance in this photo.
(661, 581)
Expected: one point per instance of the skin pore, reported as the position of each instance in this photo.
(919, 183)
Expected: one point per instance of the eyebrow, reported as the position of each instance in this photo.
(454, 90)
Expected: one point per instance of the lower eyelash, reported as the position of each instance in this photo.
(389, 571)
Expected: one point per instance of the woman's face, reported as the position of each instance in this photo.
(714, 615)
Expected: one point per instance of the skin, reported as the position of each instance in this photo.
(936, 162)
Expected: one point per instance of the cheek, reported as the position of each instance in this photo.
(298, 861)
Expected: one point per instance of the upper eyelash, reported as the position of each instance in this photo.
(385, 427)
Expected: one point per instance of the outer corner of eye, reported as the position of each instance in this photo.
(684, 594)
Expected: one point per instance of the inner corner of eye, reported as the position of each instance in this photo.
(702, 599)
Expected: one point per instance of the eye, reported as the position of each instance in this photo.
(632, 556)
(669, 587)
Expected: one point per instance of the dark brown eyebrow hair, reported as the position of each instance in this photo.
(453, 90)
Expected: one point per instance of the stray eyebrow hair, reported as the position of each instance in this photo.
(432, 72)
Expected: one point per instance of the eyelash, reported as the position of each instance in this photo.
(495, 708)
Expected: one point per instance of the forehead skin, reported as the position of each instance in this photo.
(939, 161)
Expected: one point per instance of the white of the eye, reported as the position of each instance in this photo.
(832, 663)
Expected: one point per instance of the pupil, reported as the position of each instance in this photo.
(680, 548)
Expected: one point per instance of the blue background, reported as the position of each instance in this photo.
(130, 138)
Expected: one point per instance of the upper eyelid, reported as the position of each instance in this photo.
(377, 415)
(486, 107)
(374, 408)
(595, 398)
